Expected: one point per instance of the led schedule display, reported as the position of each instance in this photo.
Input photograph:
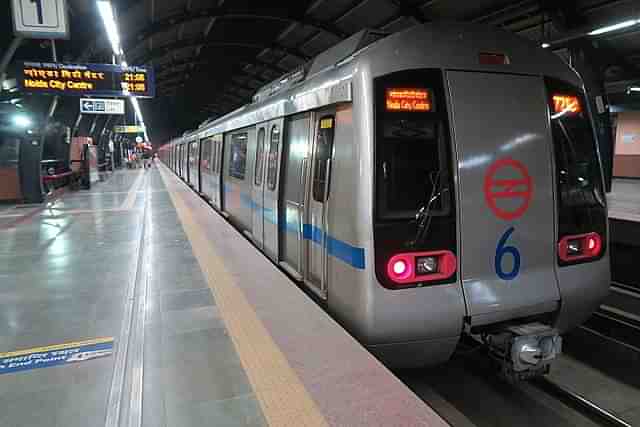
(86, 79)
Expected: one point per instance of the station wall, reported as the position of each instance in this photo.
(626, 162)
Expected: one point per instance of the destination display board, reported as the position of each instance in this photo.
(86, 79)
(128, 129)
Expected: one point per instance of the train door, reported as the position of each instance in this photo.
(506, 214)
(265, 187)
(199, 166)
(273, 151)
(176, 159)
(187, 155)
(206, 168)
(174, 150)
(193, 164)
(183, 161)
(217, 171)
(257, 186)
(296, 147)
(315, 228)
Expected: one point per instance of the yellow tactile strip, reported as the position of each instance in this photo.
(282, 396)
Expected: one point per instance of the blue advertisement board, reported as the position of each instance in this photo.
(55, 355)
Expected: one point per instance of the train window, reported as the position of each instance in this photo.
(411, 159)
(272, 160)
(205, 160)
(321, 158)
(581, 199)
(216, 155)
(238, 155)
(259, 158)
(193, 153)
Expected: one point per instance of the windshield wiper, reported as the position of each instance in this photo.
(424, 214)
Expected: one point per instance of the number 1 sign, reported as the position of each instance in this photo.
(40, 19)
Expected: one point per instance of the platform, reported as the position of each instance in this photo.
(624, 200)
(172, 318)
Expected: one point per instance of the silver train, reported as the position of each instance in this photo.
(439, 182)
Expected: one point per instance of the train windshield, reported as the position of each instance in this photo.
(579, 181)
(411, 151)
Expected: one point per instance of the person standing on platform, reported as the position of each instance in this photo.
(146, 155)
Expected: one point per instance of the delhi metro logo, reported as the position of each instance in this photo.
(508, 188)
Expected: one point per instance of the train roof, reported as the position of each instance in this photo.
(446, 45)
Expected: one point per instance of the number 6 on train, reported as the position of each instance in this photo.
(501, 250)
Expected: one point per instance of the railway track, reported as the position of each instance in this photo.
(467, 392)
(579, 402)
(618, 318)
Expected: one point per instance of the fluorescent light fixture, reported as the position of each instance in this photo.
(545, 45)
(136, 108)
(21, 120)
(110, 25)
(614, 27)
(633, 89)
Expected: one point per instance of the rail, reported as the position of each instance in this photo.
(574, 400)
(618, 319)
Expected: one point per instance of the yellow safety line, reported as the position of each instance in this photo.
(282, 396)
(128, 203)
(56, 347)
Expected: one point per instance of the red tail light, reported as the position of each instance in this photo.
(579, 247)
(415, 267)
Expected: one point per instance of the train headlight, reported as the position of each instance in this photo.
(426, 265)
(400, 267)
(420, 267)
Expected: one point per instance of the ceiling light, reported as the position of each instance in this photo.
(614, 27)
(545, 45)
(633, 89)
(109, 20)
(21, 120)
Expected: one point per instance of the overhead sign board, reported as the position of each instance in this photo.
(40, 19)
(101, 106)
(86, 79)
(128, 129)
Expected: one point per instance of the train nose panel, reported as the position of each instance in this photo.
(506, 195)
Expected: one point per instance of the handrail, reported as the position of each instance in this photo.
(57, 176)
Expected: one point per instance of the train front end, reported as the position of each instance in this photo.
(489, 211)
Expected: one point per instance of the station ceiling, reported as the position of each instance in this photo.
(211, 56)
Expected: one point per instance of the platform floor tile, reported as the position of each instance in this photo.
(193, 376)
(64, 276)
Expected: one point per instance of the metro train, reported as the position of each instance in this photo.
(432, 184)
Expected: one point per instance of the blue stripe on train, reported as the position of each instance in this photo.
(337, 248)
